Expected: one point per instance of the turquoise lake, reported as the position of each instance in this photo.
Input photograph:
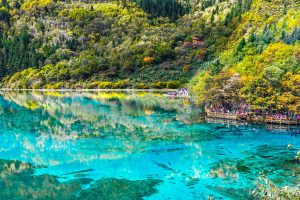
(135, 145)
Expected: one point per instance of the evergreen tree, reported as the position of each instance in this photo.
(241, 45)
(163, 8)
(252, 37)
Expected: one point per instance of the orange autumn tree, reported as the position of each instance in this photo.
(148, 59)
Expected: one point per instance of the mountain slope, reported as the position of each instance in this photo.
(261, 66)
(244, 51)
(111, 44)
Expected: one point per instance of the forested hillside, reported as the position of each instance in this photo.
(261, 64)
(243, 51)
(112, 44)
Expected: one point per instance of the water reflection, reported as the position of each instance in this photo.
(90, 145)
(18, 182)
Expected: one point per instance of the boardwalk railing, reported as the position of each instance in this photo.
(269, 120)
(281, 121)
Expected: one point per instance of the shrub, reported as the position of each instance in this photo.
(105, 85)
(93, 85)
(141, 86)
(58, 85)
(121, 84)
(173, 84)
(159, 85)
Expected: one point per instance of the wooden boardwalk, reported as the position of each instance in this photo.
(281, 121)
(267, 120)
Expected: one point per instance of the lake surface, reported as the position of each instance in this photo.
(108, 145)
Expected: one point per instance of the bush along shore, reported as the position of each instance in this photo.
(119, 84)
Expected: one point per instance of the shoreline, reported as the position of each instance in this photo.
(207, 115)
(90, 90)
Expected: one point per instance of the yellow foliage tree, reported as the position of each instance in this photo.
(28, 5)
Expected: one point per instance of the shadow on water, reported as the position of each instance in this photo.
(19, 182)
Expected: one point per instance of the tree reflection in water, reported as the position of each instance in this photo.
(97, 145)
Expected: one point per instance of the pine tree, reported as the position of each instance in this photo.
(241, 45)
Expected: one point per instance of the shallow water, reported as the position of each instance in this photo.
(110, 145)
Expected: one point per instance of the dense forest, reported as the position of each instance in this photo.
(244, 51)
(261, 65)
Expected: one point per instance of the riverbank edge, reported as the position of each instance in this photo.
(205, 114)
(90, 90)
